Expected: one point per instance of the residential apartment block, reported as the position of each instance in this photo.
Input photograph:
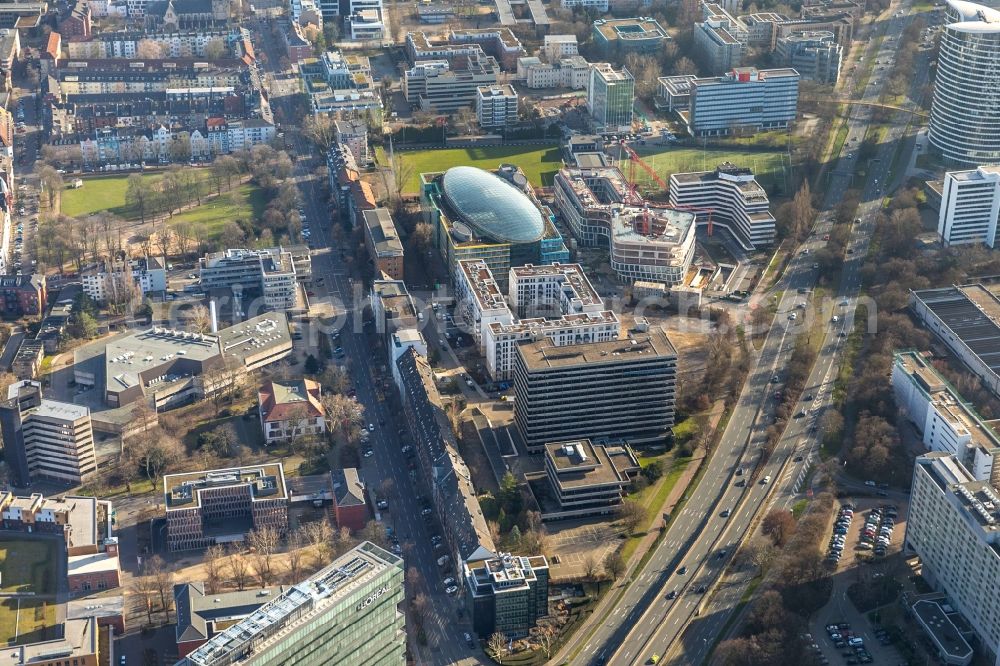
(84, 522)
(346, 613)
(644, 241)
(508, 594)
(46, 439)
(947, 422)
(953, 525)
(291, 409)
(619, 389)
(496, 106)
(144, 275)
(610, 96)
(350, 508)
(336, 83)
(204, 508)
(395, 315)
(353, 133)
(556, 302)
(966, 320)
(732, 198)
(970, 206)
(23, 295)
(384, 246)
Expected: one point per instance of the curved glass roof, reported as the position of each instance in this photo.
(492, 206)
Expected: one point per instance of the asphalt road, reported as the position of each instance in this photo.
(645, 622)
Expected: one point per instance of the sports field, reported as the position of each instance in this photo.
(539, 164)
(768, 165)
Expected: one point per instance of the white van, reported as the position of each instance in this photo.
(766, 480)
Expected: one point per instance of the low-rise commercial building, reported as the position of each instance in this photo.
(79, 641)
(508, 594)
(499, 43)
(621, 36)
(84, 522)
(619, 389)
(291, 410)
(222, 505)
(587, 479)
(46, 439)
(350, 508)
(946, 421)
(27, 361)
(645, 242)
(201, 616)
(346, 613)
(385, 249)
(966, 320)
(496, 106)
(953, 525)
(970, 206)
(599, 6)
(729, 197)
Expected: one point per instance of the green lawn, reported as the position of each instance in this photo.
(34, 622)
(245, 202)
(105, 193)
(27, 565)
(768, 165)
(538, 164)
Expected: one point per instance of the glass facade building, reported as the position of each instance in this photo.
(346, 614)
(611, 96)
(508, 594)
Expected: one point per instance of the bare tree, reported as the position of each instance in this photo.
(590, 567)
(239, 568)
(164, 239)
(201, 319)
(263, 546)
(296, 542)
(154, 451)
(143, 588)
(631, 513)
(183, 237)
(496, 646)
(214, 561)
(614, 565)
(163, 582)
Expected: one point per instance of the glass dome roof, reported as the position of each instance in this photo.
(492, 206)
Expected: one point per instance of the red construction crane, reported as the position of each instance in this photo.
(633, 195)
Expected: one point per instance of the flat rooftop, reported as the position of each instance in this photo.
(382, 232)
(298, 605)
(126, 358)
(64, 411)
(580, 464)
(572, 276)
(183, 491)
(630, 28)
(256, 335)
(972, 313)
(545, 355)
(484, 286)
(942, 630)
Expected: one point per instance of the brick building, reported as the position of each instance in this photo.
(349, 507)
(22, 295)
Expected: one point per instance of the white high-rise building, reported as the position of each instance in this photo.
(965, 115)
(954, 526)
(970, 206)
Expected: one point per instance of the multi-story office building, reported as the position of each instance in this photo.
(970, 206)
(443, 86)
(720, 39)
(964, 113)
(762, 28)
(147, 274)
(496, 106)
(730, 197)
(567, 72)
(366, 25)
(946, 421)
(218, 505)
(274, 273)
(385, 249)
(610, 96)
(620, 36)
(508, 593)
(599, 6)
(452, 493)
(556, 302)
(46, 439)
(645, 242)
(620, 390)
(966, 320)
(291, 409)
(745, 98)
(347, 614)
(557, 47)
(814, 54)
(491, 216)
(499, 43)
(953, 525)
(587, 479)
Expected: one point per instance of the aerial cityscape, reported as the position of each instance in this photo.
(441, 332)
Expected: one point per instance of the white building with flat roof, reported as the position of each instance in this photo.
(744, 98)
(946, 421)
(970, 206)
(596, 5)
(953, 525)
(556, 47)
(732, 198)
(496, 106)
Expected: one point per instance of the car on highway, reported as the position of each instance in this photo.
(382, 504)
(426, 512)
(672, 594)
(682, 571)
(701, 589)
(371, 427)
(766, 480)
(451, 589)
(725, 513)
(369, 453)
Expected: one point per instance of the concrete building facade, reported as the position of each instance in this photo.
(970, 207)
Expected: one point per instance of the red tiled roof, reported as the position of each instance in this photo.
(273, 410)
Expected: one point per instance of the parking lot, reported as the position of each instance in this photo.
(573, 542)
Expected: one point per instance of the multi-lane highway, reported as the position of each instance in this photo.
(655, 609)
